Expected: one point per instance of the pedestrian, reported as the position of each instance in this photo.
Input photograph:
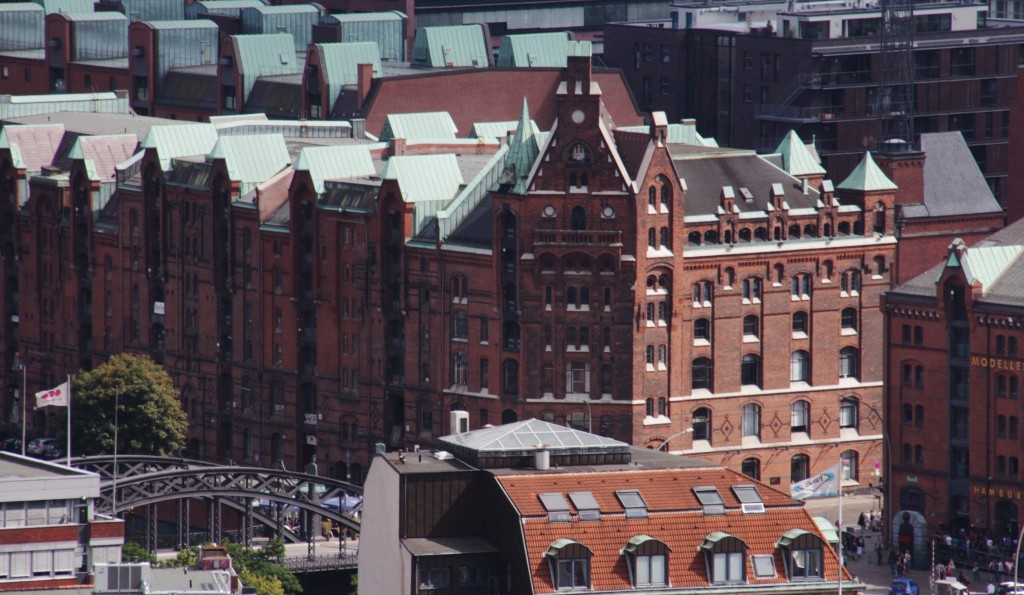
(878, 551)
(860, 548)
(893, 562)
(861, 522)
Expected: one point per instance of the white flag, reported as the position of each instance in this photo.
(56, 397)
(821, 485)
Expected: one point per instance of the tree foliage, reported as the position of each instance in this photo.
(263, 564)
(186, 558)
(133, 552)
(150, 417)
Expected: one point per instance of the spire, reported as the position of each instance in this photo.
(796, 158)
(867, 177)
(522, 152)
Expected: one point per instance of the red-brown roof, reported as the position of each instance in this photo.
(490, 95)
(675, 517)
(632, 147)
(38, 144)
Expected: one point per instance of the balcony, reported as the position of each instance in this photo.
(572, 237)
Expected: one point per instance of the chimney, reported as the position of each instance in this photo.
(397, 147)
(364, 79)
(542, 458)
(906, 170)
(358, 127)
(578, 70)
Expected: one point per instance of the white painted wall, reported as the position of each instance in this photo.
(382, 561)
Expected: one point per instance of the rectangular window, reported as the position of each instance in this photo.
(728, 567)
(650, 570)
(485, 329)
(806, 564)
(573, 574)
(435, 578)
(577, 377)
(460, 325)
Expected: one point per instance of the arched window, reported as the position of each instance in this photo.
(849, 361)
(810, 231)
(652, 198)
(710, 237)
(752, 420)
(849, 320)
(652, 238)
(799, 365)
(578, 218)
(800, 417)
(702, 424)
(569, 563)
(849, 413)
(744, 234)
(650, 406)
(508, 416)
(799, 468)
(662, 406)
(725, 558)
(800, 323)
(752, 289)
(647, 558)
(702, 329)
(751, 468)
(750, 370)
(849, 460)
(751, 327)
(702, 374)
(693, 238)
(663, 240)
(794, 232)
(801, 289)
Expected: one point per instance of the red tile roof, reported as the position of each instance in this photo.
(108, 151)
(490, 95)
(675, 517)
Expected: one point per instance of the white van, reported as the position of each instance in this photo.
(949, 587)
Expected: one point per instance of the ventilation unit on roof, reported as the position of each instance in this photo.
(459, 422)
(443, 455)
(746, 194)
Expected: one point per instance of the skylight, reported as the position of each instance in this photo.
(557, 507)
(710, 499)
(750, 499)
(633, 502)
(587, 506)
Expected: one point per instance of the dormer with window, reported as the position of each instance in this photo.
(569, 563)
(647, 560)
(803, 552)
(725, 558)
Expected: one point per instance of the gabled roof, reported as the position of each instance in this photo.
(531, 50)
(32, 147)
(180, 140)
(335, 163)
(425, 177)
(679, 133)
(359, 17)
(867, 177)
(437, 126)
(497, 130)
(251, 159)
(452, 46)
(270, 54)
(101, 154)
(340, 61)
(796, 159)
(633, 149)
(52, 6)
(953, 183)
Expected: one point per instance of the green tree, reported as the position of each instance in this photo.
(186, 558)
(263, 583)
(133, 552)
(150, 417)
(263, 563)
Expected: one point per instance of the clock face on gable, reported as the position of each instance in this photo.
(578, 116)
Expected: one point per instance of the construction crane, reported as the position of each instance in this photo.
(896, 78)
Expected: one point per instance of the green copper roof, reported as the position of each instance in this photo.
(523, 152)
(340, 64)
(534, 50)
(984, 264)
(796, 159)
(264, 55)
(454, 46)
(336, 163)
(252, 159)
(867, 177)
(434, 126)
(180, 140)
(497, 130)
(425, 177)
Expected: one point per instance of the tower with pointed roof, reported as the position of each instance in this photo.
(869, 187)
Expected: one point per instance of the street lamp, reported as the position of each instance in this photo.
(677, 434)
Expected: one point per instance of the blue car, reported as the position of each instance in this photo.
(903, 586)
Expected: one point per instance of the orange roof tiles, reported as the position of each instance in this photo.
(675, 517)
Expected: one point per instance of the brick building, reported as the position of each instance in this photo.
(772, 67)
(953, 378)
(310, 292)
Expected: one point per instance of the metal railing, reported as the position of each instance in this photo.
(335, 561)
(571, 237)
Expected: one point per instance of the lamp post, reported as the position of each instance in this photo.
(677, 434)
(24, 400)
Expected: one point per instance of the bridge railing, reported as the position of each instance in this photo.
(336, 561)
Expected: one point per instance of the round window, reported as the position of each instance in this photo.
(608, 213)
(549, 211)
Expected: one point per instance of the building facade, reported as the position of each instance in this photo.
(952, 399)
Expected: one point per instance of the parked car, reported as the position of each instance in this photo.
(38, 446)
(949, 587)
(1010, 588)
(904, 586)
(53, 451)
(11, 444)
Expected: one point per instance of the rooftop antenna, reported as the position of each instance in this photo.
(896, 81)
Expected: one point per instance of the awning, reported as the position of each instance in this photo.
(717, 536)
(448, 546)
(638, 540)
(557, 545)
(790, 536)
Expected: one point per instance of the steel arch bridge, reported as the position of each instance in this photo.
(145, 481)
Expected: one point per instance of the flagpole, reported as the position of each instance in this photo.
(69, 420)
(839, 481)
